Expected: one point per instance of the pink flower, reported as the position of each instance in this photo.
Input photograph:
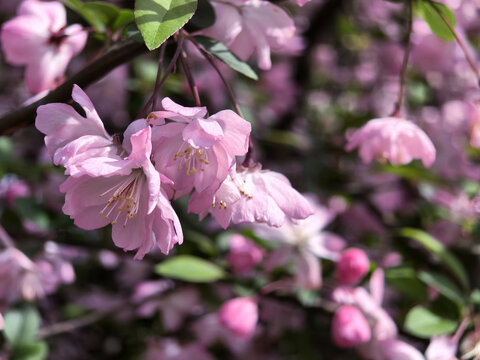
(194, 150)
(110, 182)
(352, 266)
(442, 348)
(304, 242)
(251, 26)
(39, 39)
(253, 195)
(349, 327)
(240, 316)
(244, 254)
(394, 139)
(12, 188)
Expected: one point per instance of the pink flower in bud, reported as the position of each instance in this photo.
(396, 140)
(251, 26)
(349, 327)
(240, 316)
(244, 254)
(194, 150)
(352, 266)
(39, 39)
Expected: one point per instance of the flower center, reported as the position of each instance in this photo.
(125, 198)
(191, 159)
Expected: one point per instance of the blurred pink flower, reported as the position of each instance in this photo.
(12, 188)
(110, 181)
(394, 139)
(170, 349)
(349, 327)
(240, 316)
(40, 39)
(252, 195)
(304, 241)
(196, 151)
(251, 26)
(352, 266)
(244, 254)
(442, 348)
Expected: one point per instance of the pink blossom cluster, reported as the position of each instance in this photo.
(127, 180)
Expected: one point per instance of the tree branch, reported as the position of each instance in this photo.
(121, 53)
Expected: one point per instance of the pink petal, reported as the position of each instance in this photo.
(236, 131)
(202, 133)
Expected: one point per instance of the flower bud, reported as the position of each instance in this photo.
(244, 254)
(240, 316)
(352, 266)
(349, 327)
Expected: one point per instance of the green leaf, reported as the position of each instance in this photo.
(101, 15)
(429, 11)
(28, 208)
(21, 325)
(443, 285)
(31, 351)
(157, 20)
(438, 249)
(190, 268)
(405, 280)
(221, 52)
(423, 323)
(475, 296)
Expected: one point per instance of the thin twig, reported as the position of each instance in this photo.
(190, 79)
(159, 73)
(158, 85)
(210, 59)
(460, 42)
(403, 74)
(118, 55)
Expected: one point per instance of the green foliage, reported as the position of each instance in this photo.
(406, 281)
(423, 323)
(21, 325)
(438, 249)
(430, 12)
(31, 351)
(444, 286)
(190, 268)
(101, 15)
(28, 208)
(222, 53)
(204, 16)
(157, 20)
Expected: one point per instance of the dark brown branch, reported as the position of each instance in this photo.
(121, 53)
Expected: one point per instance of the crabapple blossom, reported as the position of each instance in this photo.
(244, 254)
(251, 26)
(304, 241)
(110, 182)
(252, 195)
(349, 327)
(240, 316)
(194, 150)
(352, 266)
(442, 348)
(394, 139)
(39, 39)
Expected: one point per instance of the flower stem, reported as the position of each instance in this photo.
(159, 83)
(459, 40)
(403, 74)
(210, 59)
(190, 79)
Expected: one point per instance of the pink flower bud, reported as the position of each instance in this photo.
(240, 316)
(352, 266)
(244, 254)
(349, 327)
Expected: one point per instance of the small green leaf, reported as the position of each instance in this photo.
(429, 10)
(190, 268)
(31, 351)
(28, 208)
(438, 249)
(406, 281)
(443, 285)
(475, 296)
(21, 325)
(423, 323)
(157, 20)
(221, 52)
